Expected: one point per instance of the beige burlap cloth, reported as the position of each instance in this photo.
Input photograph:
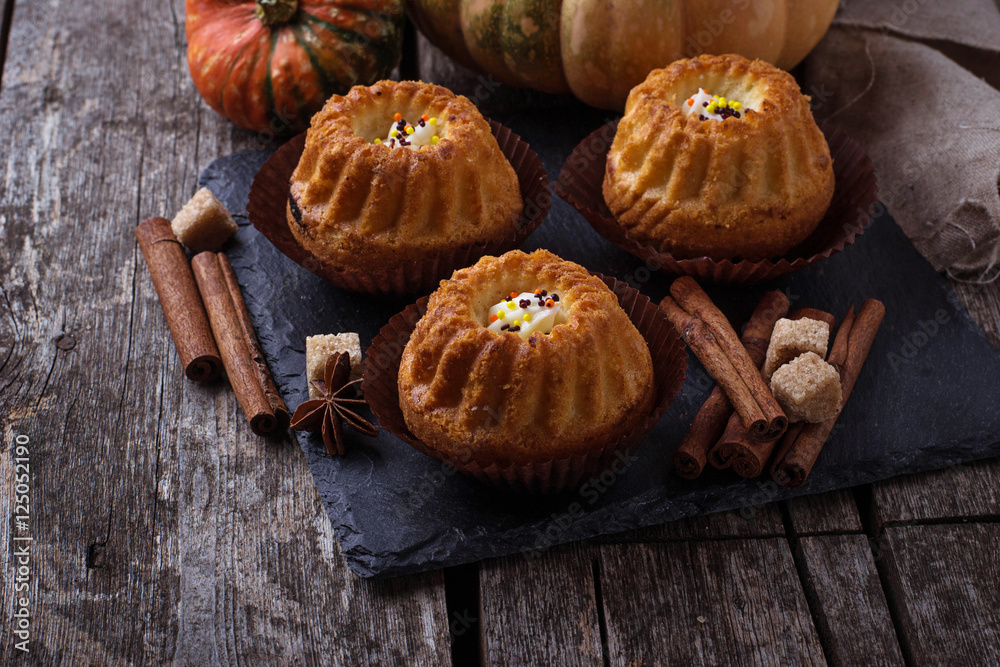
(915, 81)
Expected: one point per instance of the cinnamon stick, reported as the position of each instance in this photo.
(736, 448)
(278, 406)
(850, 350)
(705, 346)
(244, 376)
(765, 418)
(179, 298)
(708, 424)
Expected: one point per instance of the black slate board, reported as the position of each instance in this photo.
(928, 397)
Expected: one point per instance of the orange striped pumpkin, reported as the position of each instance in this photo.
(269, 65)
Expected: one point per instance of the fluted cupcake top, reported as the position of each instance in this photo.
(355, 202)
(517, 398)
(711, 182)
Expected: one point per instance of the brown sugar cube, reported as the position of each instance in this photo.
(808, 389)
(319, 349)
(791, 338)
(204, 223)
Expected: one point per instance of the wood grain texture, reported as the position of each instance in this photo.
(541, 611)
(753, 521)
(831, 512)
(164, 530)
(942, 586)
(952, 494)
(726, 602)
(846, 595)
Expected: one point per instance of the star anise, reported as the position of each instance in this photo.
(337, 404)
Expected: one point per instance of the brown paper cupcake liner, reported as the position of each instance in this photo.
(381, 371)
(266, 209)
(854, 197)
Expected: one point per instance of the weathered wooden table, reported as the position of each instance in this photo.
(164, 531)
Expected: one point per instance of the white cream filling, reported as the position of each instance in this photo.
(425, 133)
(706, 106)
(513, 314)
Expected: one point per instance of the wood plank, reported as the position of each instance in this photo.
(754, 521)
(541, 611)
(282, 594)
(846, 595)
(68, 268)
(942, 585)
(5, 21)
(823, 513)
(164, 530)
(725, 602)
(960, 492)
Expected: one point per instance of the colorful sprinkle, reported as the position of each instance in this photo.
(413, 136)
(716, 107)
(526, 312)
(433, 121)
(377, 140)
(435, 139)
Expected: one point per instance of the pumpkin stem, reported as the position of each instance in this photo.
(274, 12)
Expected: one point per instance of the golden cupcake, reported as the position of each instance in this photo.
(719, 156)
(398, 172)
(523, 359)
